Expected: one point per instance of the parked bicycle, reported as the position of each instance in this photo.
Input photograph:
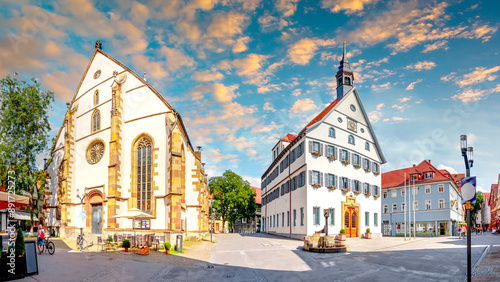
(49, 246)
(81, 243)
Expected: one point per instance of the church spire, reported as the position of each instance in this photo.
(344, 64)
(344, 76)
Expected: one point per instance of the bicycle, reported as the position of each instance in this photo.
(49, 246)
(81, 243)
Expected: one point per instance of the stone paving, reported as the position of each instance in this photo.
(261, 257)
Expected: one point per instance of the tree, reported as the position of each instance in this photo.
(475, 208)
(233, 198)
(24, 130)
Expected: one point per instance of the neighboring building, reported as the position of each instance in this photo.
(437, 202)
(493, 206)
(251, 225)
(337, 149)
(126, 147)
(485, 212)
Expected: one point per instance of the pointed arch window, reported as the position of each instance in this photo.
(351, 139)
(96, 121)
(331, 132)
(96, 97)
(144, 148)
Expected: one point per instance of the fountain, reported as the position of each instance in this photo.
(319, 243)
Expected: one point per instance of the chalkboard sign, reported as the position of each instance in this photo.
(31, 258)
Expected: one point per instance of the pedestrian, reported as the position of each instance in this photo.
(41, 237)
(459, 232)
(464, 231)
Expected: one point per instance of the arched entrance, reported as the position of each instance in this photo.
(93, 208)
(350, 220)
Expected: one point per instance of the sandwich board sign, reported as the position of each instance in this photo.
(469, 189)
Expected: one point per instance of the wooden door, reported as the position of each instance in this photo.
(350, 219)
(96, 219)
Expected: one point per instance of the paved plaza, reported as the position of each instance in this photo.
(261, 257)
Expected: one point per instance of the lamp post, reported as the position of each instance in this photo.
(81, 202)
(211, 211)
(469, 162)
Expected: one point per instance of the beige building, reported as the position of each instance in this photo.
(126, 147)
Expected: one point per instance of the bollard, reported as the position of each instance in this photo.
(178, 243)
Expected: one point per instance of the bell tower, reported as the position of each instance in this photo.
(345, 77)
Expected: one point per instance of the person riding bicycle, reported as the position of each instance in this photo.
(41, 238)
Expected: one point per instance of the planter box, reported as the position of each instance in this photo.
(368, 235)
(342, 237)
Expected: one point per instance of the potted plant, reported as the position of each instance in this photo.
(368, 194)
(346, 162)
(167, 247)
(376, 196)
(342, 235)
(332, 187)
(357, 192)
(126, 244)
(331, 157)
(316, 185)
(345, 190)
(357, 166)
(376, 173)
(317, 153)
(109, 240)
(367, 169)
(368, 234)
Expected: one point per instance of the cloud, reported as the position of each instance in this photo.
(448, 168)
(349, 6)
(436, 45)
(240, 143)
(473, 95)
(375, 116)
(297, 92)
(268, 88)
(395, 119)
(270, 23)
(216, 156)
(303, 105)
(156, 69)
(241, 44)
(269, 107)
(479, 75)
(380, 87)
(286, 7)
(176, 58)
(224, 94)
(411, 86)
(418, 66)
(379, 106)
(227, 24)
(207, 75)
(302, 51)
(477, 31)
(266, 128)
(63, 84)
(404, 99)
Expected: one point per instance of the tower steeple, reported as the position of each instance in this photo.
(344, 76)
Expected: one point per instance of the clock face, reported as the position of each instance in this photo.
(351, 125)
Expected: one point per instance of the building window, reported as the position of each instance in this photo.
(316, 215)
(277, 220)
(294, 217)
(441, 188)
(375, 219)
(403, 207)
(316, 147)
(331, 151)
(415, 205)
(413, 177)
(331, 180)
(315, 177)
(351, 139)
(96, 121)
(345, 182)
(441, 203)
(428, 204)
(301, 149)
(347, 80)
(144, 149)
(384, 194)
(331, 132)
(366, 164)
(283, 219)
(367, 146)
(367, 218)
(367, 188)
(403, 192)
(301, 216)
(302, 181)
(427, 189)
(394, 207)
(332, 216)
(356, 160)
(394, 193)
(376, 167)
(356, 186)
(96, 97)
(344, 155)
(375, 190)
(428, 175)
(95, 152)
(292, 156)
(386, 209)
(415, 191)
(294, 183)
(288, 218)
(274, 220)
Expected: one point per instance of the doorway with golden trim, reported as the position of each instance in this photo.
(350, 218)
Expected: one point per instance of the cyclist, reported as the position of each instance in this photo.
(40, 239)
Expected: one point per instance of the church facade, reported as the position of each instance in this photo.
(328, 175)
(123, 146)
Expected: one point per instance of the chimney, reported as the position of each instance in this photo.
(98, 45)
(414, 165)
(429, 161)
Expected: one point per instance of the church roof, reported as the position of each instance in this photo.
(321, 115)
(289, 137)
(396, 178)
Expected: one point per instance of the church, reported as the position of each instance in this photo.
(327, 177)
(122, 146)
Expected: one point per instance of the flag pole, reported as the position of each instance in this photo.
(404, 211)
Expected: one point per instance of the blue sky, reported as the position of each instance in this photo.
(245, 73)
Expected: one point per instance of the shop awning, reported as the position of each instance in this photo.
(24, 216)
(17, 200)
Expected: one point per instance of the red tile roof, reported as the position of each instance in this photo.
(321, 115)
(258, 195)
(289, 137)
(396, 178)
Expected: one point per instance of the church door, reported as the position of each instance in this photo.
(350, 223)
(96, 219)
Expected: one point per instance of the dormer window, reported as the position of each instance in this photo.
(428, 175)
(351, 139)
(347, 81)
(413, 177)
(331, 132)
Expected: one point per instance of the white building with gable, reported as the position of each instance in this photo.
(332, 165)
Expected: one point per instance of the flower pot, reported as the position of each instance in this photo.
(167, 251)
(342, 236)
(126, 250)
(368, 235)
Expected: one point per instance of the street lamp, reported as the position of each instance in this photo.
(467, 153)
(211, 211)
(81, 202)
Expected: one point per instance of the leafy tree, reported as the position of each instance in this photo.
(475, 208)
(233, 198)
(24, 131)
(20, 248)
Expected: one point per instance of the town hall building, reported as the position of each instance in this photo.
(124, 147)
(331, 166)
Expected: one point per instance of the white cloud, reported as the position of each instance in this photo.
(302, 51)
(411, 86)
(374, 116)
(349, 6)
(448, 168)
(478, 75)
(303, 105)
(418, 66)
(286, 7)
(435, 46)
(380, 87)
(269, 107)
(207, 75)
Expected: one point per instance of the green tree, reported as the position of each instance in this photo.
(475, 208)
(233, 198)
(24, 130)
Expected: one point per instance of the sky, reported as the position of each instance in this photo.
(244, 73)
